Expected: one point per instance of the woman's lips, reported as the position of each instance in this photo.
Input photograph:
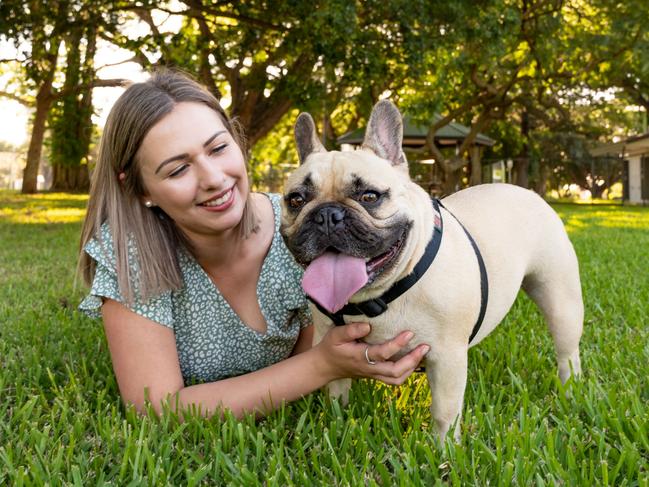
(220, 203)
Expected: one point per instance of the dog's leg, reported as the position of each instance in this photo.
(337, 389)
(446, 368)
(559, 298)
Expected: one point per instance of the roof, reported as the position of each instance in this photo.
(414, 135)
(638, 144)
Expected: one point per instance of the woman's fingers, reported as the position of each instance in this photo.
(350, 332)
(350, 358)
(388, 349)
(402, 368)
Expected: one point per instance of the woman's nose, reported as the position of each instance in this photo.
(209, 173)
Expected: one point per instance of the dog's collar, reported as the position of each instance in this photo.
(375, 307)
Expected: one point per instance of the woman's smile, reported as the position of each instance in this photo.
(220, 202)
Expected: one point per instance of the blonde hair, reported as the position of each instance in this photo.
(155, 237)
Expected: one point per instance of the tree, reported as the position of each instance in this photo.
(519, 58)
(37, 30)
(268, 57)
(70, 118)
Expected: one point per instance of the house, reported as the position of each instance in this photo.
(634, 153)
(428, 174)
(11, 170)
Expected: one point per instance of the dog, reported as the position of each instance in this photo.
(361, 228)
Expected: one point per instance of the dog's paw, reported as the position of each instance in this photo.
(339, 389)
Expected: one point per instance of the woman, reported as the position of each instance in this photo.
(200, 300)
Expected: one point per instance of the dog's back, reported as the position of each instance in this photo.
(523, 242)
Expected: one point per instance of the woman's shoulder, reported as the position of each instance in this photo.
(267, 206)
(101, 247)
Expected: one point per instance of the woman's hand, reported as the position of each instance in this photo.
(343, 356)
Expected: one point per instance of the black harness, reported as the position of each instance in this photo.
(377, 306)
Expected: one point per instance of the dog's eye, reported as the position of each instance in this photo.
(369, 197)
(295, 201)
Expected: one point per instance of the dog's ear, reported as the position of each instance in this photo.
(384, 133)
(306, 137)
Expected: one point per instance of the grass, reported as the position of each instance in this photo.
(61, 420)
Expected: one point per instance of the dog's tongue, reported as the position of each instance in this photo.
(332, 279)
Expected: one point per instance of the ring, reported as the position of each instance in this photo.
(367, 357)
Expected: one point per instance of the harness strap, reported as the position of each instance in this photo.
(484, 282)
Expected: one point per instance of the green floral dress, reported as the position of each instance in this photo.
(212, 341)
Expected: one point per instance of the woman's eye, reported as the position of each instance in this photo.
(218, 148)
(369, 197)
(178, 171)
(296, 201)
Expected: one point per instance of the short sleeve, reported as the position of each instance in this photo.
(158, 308)
(304, 316)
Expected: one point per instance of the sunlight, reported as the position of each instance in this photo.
(13, 123)
(42, 215)
(42, 207)
(621, 217)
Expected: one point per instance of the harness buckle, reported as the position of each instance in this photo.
(373, 307)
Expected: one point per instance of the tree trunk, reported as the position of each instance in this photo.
(43, 103)
(598, 191)
(70, 178)
(476, 166)
(542, 184)
(451, 181)
(259, 121)
(520, 170)
(522, 162)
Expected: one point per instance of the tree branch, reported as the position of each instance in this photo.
(14, 97)
(133, 59)
(197, 8)
(138, 54)
(96, 83)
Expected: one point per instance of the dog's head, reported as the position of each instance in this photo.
(353, 218)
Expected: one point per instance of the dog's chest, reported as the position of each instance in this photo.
(402, 315)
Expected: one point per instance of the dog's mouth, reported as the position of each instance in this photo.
(379, 264)
(333, 277)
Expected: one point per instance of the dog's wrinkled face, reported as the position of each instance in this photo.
(342, 210)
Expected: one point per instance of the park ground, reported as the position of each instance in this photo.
(62, 422)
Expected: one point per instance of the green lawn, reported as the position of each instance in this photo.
(61, 420)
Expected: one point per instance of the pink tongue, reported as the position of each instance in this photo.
(332, 279)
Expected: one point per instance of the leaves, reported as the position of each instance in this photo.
(482, 62)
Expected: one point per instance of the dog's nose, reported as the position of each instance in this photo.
(329, 217)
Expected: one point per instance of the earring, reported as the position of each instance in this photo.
(148, 203)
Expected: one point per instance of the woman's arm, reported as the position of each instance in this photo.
(304, 340)
(145, 359)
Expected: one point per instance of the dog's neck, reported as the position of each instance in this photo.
(417, 242)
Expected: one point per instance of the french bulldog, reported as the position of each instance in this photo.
(358, 224)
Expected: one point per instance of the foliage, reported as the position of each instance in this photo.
(523, 64)
(70, 118)
(63, 422)
(7, 146)
(37, 31)
(505, 67)
(274, 156)
(271, 57)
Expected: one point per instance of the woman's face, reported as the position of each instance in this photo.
(194, 171)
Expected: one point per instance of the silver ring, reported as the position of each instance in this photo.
(367, 357)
